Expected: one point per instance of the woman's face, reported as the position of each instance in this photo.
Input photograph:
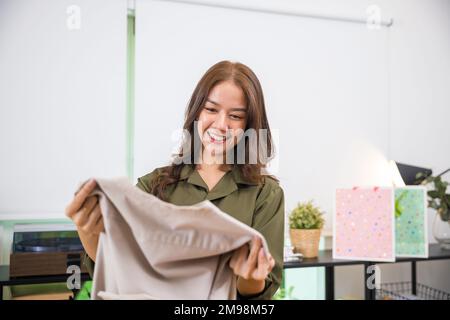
(223, 116)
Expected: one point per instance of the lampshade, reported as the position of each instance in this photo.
(408, 173)
(397, 179)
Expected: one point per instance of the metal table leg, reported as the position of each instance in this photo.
(414, 277)
(329, 283)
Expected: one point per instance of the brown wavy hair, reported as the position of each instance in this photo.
(243, 77)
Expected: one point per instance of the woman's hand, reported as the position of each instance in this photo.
(86, 214)
(252, 268)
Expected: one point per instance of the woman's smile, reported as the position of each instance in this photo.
(216, 138)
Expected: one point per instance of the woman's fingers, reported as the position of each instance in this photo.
(265, 265)
(244, 262)
(254, 264)
(238, 259)
(249, 262)
(253, 256)
(88, 227)
(80, 198)
(260, 271)
(272, 262)
(82, 216)
(99, 227)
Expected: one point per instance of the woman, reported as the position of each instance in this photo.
(226, 169)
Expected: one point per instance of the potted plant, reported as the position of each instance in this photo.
(305, 223)
(439, 200)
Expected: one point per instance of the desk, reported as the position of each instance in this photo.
(6, 281)
(325, 259)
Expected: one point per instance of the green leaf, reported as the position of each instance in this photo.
(433, 194)
(398, 207)
(85, 292)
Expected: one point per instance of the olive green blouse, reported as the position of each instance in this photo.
(260, 206)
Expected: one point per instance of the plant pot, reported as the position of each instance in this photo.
(306, 241)
(441, 232)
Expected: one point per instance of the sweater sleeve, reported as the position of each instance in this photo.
(269, 221)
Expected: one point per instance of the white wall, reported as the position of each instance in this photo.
(62, 101)
(420, 65)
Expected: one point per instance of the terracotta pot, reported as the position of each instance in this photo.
(306, 241)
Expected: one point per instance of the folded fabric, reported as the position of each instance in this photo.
(152, 249)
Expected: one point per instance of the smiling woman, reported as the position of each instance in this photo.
(220, 121)
(227, 100)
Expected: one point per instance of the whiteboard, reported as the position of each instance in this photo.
(62, 101)
(325, 84)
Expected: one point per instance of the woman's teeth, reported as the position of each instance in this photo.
(216, 137)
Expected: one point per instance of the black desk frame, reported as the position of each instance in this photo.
(325, 260)
(5, 280)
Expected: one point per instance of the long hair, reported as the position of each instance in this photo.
(243, 77)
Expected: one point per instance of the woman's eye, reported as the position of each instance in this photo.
(210, 109)
(235, 117)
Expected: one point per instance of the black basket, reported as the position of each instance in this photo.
(403, 291)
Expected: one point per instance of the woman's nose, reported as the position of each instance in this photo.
(221, 122)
